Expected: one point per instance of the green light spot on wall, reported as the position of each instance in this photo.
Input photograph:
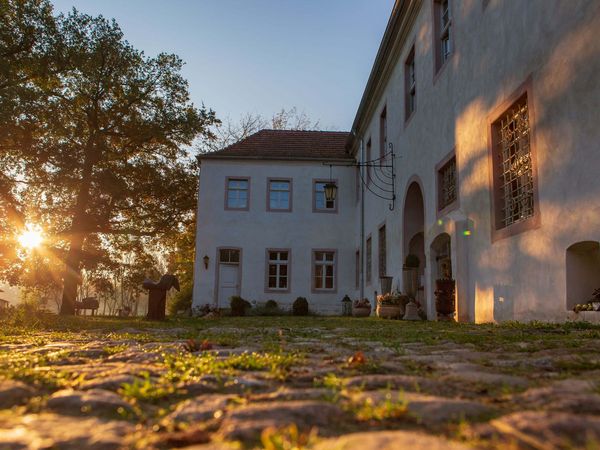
(467, 233)
(440, 222)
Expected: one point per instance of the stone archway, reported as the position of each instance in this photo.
(413, 233)
(441, 265)
(583, 272)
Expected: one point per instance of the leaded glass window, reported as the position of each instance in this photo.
(447, 184)
(514, 169)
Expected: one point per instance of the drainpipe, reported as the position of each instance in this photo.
(362, 222)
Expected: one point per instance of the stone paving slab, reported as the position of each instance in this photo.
(140, 389)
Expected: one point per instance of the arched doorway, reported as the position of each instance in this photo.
(583, 272)
(441, 269)
(414, 236)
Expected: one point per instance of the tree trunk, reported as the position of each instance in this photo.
(71, 275)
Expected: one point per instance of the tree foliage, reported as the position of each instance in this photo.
(97, 139)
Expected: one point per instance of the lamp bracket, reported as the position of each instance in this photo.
(383, 183)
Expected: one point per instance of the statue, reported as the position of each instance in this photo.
(157, 295)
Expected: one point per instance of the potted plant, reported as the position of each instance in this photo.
(361, 308)
(392, 305)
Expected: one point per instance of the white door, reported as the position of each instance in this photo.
(228, 283)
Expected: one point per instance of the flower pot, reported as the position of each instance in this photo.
(390, 311)
(361, 312)
(444, 297)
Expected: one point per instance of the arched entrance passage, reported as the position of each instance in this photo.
(442, 279)
(413, 236)
(583, 272)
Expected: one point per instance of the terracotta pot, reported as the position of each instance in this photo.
(390, 311)
(361, 312)
(444, 297)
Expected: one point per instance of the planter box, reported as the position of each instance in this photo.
(361, 312)
(390, 311)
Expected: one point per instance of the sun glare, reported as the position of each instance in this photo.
(31, 237)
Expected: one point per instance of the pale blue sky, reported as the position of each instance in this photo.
(260, 55)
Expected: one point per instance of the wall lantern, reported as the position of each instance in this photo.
(206, 259)
(330, 191)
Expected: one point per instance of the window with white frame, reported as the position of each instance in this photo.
(357, 269)
(324, 262)
(320, 202)
(382, 252)
(410, 85)
(237, 193)
(278, 270)
(369, 255)
(280, 195)
(443, 32)
(383, 136)
(229, 256)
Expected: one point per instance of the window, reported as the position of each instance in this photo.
(369, 257)
(512, 165)
(369, 156)
(382, 253)
(324, 269)
(237, 193)
(229, 256)
(320, 203)
(357, 269)
(442, 32)
(357, 184)
(447, 186)
(279, 195)
(410, 85)
(383, 135)
(278, 264)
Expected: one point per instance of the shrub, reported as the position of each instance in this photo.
(271, 304)
(182, 300)
(300, 307)
(239, 306)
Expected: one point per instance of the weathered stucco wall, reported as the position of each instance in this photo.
(256, 230)
(496, 49)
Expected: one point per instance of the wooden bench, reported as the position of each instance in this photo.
(88, 303)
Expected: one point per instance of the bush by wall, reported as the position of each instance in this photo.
(238, 306)
(300, 307)
(271, 304)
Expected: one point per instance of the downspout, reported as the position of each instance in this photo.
(362, 221)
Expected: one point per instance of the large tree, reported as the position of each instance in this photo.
(27, 41)
(111, 157)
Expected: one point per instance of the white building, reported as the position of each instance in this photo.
(492, 109)
(265, 230)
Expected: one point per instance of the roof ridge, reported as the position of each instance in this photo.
(279, 130)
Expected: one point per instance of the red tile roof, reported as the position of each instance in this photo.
(287, 145)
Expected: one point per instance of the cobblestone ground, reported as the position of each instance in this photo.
(283, 383)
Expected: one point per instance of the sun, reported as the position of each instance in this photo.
(31, 237)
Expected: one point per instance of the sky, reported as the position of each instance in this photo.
(258, 56)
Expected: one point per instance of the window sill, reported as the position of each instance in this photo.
(324, 291)
(438, 73)
(531, 223)
(448, 209)
(409, 118)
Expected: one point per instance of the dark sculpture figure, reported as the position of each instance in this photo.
(157, 295)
